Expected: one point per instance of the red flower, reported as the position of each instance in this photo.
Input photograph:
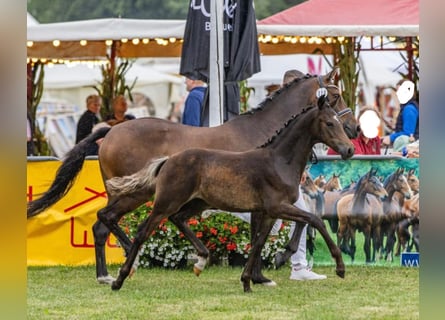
(193, 222)
(199, 234)
(233, 229)
(213, 231)
(231, 246)
(222, 239)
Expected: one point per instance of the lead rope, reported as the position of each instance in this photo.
(313, 157)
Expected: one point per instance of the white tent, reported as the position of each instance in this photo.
(75, 83)
(30, 20)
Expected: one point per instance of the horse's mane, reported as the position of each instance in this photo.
(263, 104)
(286, 124)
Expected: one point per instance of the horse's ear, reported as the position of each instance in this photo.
(331, 75)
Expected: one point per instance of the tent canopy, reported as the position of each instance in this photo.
(155, 38)
(133, 38)
(345, 18)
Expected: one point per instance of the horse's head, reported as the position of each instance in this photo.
(371, 184)
(335, 99)
(398, 181)
(413, 181)
(330, 130)
(333, 184)
(308, 186)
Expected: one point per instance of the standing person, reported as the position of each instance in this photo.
(193, 103)
(87, 121)
(300, 266)
(119, 114)
(407, 123)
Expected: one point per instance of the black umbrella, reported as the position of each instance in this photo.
(241, 52)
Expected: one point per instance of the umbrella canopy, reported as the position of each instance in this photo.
(241, 53)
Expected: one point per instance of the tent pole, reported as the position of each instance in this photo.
(216, 71)
(409, 52)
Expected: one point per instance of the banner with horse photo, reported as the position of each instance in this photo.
(376, 196)
(62, 234)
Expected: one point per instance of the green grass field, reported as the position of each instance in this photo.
(380, 291)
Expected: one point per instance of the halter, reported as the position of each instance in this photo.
(322, 86)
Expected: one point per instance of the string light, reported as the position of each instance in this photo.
(56, 43)
(83, 43)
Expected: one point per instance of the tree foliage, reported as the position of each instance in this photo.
(46, 11)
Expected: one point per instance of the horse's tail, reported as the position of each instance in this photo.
(144, 178)
(66, 174)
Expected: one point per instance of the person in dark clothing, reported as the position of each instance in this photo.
(119, 114)
(87, 121)
(194, 102)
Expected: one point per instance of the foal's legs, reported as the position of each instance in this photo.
(257, 219)
(180, 220)
(262, 231)
(291, 247)
(290, 212)
(144, 231)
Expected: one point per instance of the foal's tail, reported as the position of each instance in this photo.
(144, 178)
(65, 175)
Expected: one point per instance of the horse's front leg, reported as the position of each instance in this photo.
(256, 222)
(255, 251)
(144, 231)
(290, 212)
(291, 247)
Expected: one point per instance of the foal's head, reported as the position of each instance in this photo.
(330, 129)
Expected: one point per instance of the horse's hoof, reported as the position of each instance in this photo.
(105, 279)
(341, 273)
(197, 271)
(279, 260)
(269, 283)
(115, 286)
(264, 281)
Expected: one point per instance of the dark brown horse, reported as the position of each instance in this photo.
(362, 211)
(258, 181)
(127, 146)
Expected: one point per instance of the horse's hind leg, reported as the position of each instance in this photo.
(109, 217)
(256, 222)
(261, 234)
(101, 233)
(180, 220)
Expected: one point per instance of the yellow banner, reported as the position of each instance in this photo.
(62, 234)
